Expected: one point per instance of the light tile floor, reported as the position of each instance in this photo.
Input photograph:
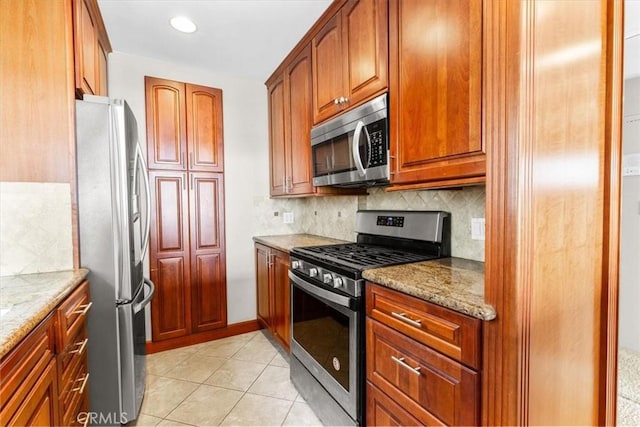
(241, 380)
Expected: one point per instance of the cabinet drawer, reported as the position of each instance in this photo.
(73, 391)
(451, 333)
(383, 411)
(421, 380)
(73, 354)
(23, 367)
(72, 314)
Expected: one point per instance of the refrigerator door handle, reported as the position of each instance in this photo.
(147, 189)
(141, 305)
(117, 227)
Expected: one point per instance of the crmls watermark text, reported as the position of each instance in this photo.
(86, 418)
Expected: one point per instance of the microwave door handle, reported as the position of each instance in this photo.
(354, 146)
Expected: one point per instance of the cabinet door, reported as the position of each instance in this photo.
(383, 411)
(102, 71)
(277, 148)
(40, 408)
(328, 71)
(208, 272)
(281, 298)
(166, 124)
(263, 271)
(86, 55)
(365, 48)
(169, 244)
(298, 90)
(204, 128)
(435, 76)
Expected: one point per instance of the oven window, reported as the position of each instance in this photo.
(332, 156)
(324, 333)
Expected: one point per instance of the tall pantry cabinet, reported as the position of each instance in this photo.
(187, 244)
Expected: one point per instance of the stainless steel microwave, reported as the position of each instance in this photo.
(352, 150)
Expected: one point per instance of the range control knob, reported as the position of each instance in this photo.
(337, 282)
(313, 272)
(295, 265)
(326, 278)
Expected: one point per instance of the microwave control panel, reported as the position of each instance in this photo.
(378, 137)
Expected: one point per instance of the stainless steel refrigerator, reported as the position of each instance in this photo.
(113, 215)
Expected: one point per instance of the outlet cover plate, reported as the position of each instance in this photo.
(287, 217)
(477, 228)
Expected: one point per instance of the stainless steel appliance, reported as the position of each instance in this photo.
(113, 216)
(352, 149)
(327, 304)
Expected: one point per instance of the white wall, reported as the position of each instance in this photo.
(629, 315)
(245, 157)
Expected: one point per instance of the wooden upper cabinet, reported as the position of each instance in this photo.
(166, 119)
(91, 49)
(184, 126)
(290, 128)
(350, 57)
(204, 128)
(298, 132)
(435, 74)
(277, 150)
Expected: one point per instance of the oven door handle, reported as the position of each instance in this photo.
(341, 300)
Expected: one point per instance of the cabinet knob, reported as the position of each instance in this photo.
(336, 101)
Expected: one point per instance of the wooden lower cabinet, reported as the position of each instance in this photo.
(273, 292)
(187, 253)
(431, 388)
(44, 379)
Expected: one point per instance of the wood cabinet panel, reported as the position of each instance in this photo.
(328, 72)
(40, 408)
(383, 411)
(91, 49)
(273, 292)
(350, 58)
(187, 253)
(277, 139)
(365, 46)
(208, 278)
(454, 334)
(204, 128)
(170, 223)
(436, 74)
(420, 379)
(169, 308)
(207, 211)
(298, 88)
(87, 55)
(37, 106)
(166, 118)
(263, 260)
(281, 298)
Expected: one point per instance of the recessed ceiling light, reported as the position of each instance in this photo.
(184, 24)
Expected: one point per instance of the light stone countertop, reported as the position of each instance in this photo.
(454, 283)
(25, 300)
(287, 241)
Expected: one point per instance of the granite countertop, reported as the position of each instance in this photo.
(25, 300)
(287, 241)
(454, 283)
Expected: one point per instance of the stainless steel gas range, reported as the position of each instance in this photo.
(327, 307)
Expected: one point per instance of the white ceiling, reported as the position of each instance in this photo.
(246, 38)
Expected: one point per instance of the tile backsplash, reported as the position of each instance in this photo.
(35, 227)
(335, 216)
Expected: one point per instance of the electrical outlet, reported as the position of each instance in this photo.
(477, 228)
(287, 217)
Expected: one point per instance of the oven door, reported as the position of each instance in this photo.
(324, 338)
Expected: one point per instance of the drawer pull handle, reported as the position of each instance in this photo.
(84, 380)
(82, 345)
(401, 362)
(83, 309)
(404, 318)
